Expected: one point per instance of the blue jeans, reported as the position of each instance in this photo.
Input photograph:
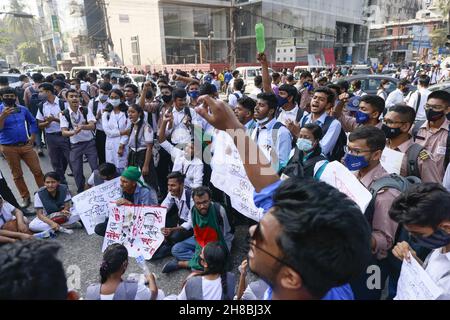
(184, 250)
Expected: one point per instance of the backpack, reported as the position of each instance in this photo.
(125, 291)
(34, 101)
(338, 151)
(194, 291)
(66, 113)
(62, 106)
(415, 132)
(392, 181)
(413, 154)
(296, 168)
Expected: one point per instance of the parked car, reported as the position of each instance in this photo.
(248, 74)
(136, 79)
(13, 78)
(361, 70)
(371, 83)
(98, 70)
(441, 86)
(44, 70)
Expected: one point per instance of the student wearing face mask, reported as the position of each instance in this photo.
(370, 109)
(116, 126)
(306, 158)
(433, 133)
(417, 161)
(382, 89)
(193, 93)
(423, 211)
(363, 155)
(96, 106)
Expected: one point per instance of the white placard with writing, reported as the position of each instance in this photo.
(92, 204)
(415, 283)
(138, 228)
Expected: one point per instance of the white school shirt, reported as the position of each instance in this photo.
(117, 122)
(77, 119)
(145, 136)
(288, 115)
(212, 290)
(180, 133)
(50, 109)
(424, 93)
(183, 210)
(437, 265)
(192, 169)
(6, 213)
(100, 107)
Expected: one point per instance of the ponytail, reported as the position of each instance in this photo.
(113, 259)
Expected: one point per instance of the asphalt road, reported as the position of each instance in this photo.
(81, 254)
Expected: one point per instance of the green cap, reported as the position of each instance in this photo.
(133, 174)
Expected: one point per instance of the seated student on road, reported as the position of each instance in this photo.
(185, 161)
(134, 191)
(306, 158)
(13, 225)
(214, 283)
(423, 211)
(31, 270)
(286, 249)
(179, 205)
(113, 287)
(210, 223)
(105, 172)
(52, 204)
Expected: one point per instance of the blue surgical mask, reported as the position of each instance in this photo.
(114, 102)
(362, 117)
(304, 145)
(437, 240)
(103, 97)
(355, 163)
(194, 94)
(282, 101)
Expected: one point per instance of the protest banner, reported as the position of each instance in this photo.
(92, 205)
(228, 175)
(138, 228)
(338, 176)
(415, 283)
(392, 160)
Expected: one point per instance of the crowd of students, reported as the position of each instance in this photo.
(312, 243)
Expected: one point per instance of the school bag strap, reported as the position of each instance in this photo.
(126, 290)
(193, 288)
(419, 98)
(416, 128)
(447, 150)
(413, 154)
(94, 107)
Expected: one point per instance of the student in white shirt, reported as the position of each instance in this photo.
(186, 161)
(419, 98)
(116, 126)
(13, 225)
(113, 287)
(214, 283)
(423, 211)
(237, 92)
(398, 96)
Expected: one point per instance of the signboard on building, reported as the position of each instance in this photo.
(286, 50)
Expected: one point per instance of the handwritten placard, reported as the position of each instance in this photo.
(138, 228)
(92, 204)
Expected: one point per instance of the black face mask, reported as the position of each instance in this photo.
(391, 133)
(166, 99)
(434, 115)
(9, 102)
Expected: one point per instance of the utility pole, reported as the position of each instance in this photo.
(102, 5)
(233, 15)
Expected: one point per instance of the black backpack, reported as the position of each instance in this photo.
(392, 181)
(415, 132)
(413, 154)
(338, 151)
(296, 168)
(34, 101)
(66, 113)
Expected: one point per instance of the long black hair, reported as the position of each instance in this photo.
(113, 258)
(140, 122)
(216, 258)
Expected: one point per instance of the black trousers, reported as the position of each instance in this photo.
(100, 145)
(137, 159)
(7, 194)
(164, 168)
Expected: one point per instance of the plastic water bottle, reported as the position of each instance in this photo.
(260, 38)
(141, 262)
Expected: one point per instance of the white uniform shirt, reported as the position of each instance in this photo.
(100, 107)
(437, 265)
(77, 119)
(50, 109)
(145, 136)
(6, 213)
(288, 115)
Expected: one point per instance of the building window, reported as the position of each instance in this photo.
(124, 18)
(135, 51)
